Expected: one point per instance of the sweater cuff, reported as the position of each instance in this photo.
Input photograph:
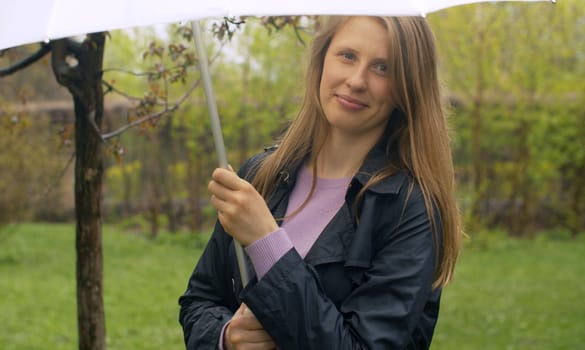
(222, 335)
(265, 252)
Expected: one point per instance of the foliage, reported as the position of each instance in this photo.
(24, 153)
(37, 83)
(517, 112)
(266, 77)
(257, 86)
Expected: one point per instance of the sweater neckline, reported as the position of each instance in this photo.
(305, 176)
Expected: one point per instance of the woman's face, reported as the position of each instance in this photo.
(355, 86)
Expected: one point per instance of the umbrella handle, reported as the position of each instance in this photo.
(216, 130)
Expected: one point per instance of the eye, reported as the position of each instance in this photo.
(347, 56)
(380, 68)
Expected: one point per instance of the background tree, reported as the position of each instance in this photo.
(512, 73)
(78, 67)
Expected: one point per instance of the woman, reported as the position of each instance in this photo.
(350, 224)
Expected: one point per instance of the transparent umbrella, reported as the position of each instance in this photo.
(28, 21)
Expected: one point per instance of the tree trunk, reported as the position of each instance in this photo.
(78, 67)
(154, 184)
(476, 134)
(127, 197)
(193, 184)
(167, 145)
(88, 185)
(523, 217)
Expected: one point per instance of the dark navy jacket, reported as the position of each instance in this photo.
(365, 284)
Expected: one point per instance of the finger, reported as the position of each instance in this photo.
(228, 178)
(251, 321)
(219, 190)
(247, 318)
(257, 339)
(251, 335)
(255, 346)
(245, 310)
(218, 203)
(269, 345)
(261, 346)
(258, 336)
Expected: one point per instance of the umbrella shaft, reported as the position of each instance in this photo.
(216, 129)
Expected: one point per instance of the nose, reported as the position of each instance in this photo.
(357, 79)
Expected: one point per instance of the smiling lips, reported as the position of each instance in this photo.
(350, 102)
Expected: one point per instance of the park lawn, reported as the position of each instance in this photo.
(143, 279)
(509, 294)
(516, 294)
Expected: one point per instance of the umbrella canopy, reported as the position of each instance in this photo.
(29, 21)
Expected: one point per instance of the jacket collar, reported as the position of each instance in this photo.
(375, 161)
(337, 242)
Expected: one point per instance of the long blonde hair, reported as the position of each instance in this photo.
(417, 135)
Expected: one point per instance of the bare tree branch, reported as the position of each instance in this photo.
(42, 51)
(153, 116)
(138, 74)
(126, 71)
(159, 114)
(112, 88)
(137, 122)
(48, 190)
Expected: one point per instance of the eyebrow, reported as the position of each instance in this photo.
(341, 48)
(380, 60)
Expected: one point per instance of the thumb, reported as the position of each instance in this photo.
(244, 310)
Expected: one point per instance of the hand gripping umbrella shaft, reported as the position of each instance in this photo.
(216, 129)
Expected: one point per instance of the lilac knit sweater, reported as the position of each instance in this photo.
(303, 229)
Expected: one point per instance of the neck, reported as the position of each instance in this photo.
(340, 157)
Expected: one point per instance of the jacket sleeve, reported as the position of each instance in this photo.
(382, 310)
(208, 303)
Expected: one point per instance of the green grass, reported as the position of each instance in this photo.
(142, 282)
(516, 294)
(508, 294)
